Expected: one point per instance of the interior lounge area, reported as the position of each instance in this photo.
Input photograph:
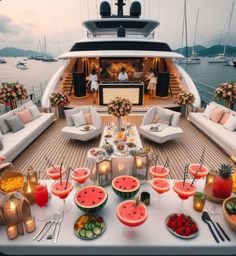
(76, 80)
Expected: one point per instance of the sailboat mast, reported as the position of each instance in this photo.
(227, 37)
(186, 29)
(45, 47)
(195, 33)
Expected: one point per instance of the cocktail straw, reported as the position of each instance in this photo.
(155, 159)
(68, 174)
(202, 156)
(60, 170)
(166, 164)
(194, 178)
(49, 163)
(185, 173)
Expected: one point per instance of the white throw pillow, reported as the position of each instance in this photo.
(34, 111)
(175, 118)
(230, 124)
(208, 110)
(78, 119)
(69, 113)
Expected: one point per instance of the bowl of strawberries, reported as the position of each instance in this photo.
(182, 225)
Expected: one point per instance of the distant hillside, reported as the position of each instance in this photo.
(209, 52)
(14, 52)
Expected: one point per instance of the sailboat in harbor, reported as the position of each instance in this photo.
(194, 59)
(46, 57)
(221, 58)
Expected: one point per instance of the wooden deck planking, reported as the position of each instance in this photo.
(184, 150)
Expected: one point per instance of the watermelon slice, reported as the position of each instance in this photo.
(125, 186)
(91, 198)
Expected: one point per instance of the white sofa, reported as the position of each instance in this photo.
(15, 143)
(218, 133)
(169, 132)
(75, 133)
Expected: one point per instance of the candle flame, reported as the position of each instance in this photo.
(103, 168)
(28, 187)
(120, 168)
(12, 205)
(139, 162)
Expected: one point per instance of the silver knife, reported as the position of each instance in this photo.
(45, 232)
(41, 230)
(59, 227)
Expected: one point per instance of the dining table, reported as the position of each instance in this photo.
(151, 238)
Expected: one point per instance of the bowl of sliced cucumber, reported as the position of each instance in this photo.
(88, 227)
(229, 211)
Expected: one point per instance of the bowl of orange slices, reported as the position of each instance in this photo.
(11, 181)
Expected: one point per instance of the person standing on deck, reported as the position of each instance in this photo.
(152, 83)
(123, 76)
(93, 78)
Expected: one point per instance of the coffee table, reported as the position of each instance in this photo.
(122, 164)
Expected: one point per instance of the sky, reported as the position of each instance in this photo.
(24, 22)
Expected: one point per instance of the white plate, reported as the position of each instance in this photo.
(174, 233)
(84, 130)
(154, 129)
(121, 153)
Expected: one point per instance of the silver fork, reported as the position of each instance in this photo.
(45, 232)
(50, 236)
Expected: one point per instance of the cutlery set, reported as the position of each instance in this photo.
(219, 230)
(54, 224)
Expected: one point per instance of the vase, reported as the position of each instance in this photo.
(184, 110)
(229, 104)
(60, 111)
(118, 124)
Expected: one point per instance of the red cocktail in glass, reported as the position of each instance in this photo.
(62, 189)
(131, 214)
(198, 171)
(160, 186)
(184, 190)
(80, 175)
(41, 199)
(158, 171)
(54, 172)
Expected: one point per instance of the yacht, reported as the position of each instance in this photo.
(3, 61)
(22, 65)
(116, 41)
(220, 58)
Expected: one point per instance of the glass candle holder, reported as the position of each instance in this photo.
(211, 176)
(12, 231)
(29, 224)
(145, 198)
(199, 200)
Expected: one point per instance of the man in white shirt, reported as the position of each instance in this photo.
(123, 76)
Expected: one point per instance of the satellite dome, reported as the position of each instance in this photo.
(135, 9)
(105, 9)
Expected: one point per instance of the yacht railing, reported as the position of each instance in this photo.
(35, 93)
(207, 93)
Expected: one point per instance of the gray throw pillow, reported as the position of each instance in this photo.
(3, 124)
(1, 145)
(34, 111)
(69, 114)
(15, 123)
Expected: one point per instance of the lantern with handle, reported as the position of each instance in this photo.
(141, 165)
(103, 170)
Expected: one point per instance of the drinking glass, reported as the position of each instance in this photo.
(184, 190)
(62, 189)
(80, 175)
(41, 199)
(198, 171)
(160, 186)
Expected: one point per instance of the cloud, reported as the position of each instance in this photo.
(8, 27)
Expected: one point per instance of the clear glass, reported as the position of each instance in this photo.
(159, 203)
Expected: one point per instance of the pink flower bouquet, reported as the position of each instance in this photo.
(119, 107)
(59, 99)
(185, 98)
(226, 91)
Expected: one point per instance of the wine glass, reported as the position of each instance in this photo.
(131, 215)
(80, 175)
(198, 171)
(55, 172)
(184, 189)
(62, 189)
(160, 186)
(159, 171)
(41, 199)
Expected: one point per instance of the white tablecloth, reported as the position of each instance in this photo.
(152, 238)
(120, 164)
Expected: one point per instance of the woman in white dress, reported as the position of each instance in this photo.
(152, 83)
(93, 78)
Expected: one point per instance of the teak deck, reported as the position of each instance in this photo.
(187, 149)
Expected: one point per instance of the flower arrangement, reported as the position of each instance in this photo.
(11, 92)
(59, 99)
(226, 91)
(185, 98)
(119, 107)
